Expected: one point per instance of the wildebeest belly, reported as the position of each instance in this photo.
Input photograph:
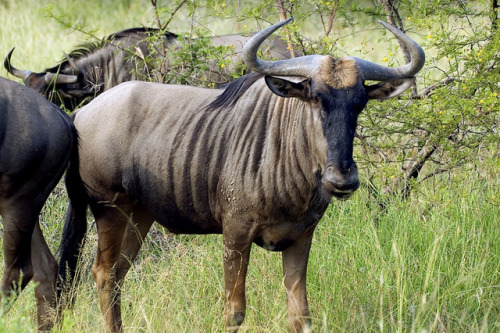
(183, 220)
(174, 205)
(178, 223)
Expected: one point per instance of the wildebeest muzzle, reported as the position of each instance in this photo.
(340, 182)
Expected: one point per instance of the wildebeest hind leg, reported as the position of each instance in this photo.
(135, 233)
(111, 223)
(45, 273)
(19, 220)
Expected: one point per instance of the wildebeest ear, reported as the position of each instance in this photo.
(285, 88)
(391, 88)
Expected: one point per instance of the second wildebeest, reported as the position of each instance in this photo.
(124, 56)
(36, 140)
(257, 162)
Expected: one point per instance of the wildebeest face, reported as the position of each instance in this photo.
(339, 112)
(338, 95)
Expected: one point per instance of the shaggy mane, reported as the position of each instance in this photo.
(233, 91)
(88, 48)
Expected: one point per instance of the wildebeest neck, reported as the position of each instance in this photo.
(276, 151)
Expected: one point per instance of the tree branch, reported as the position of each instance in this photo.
(494, 20)
(331, 17)
(164, 26)
(429, 90)
(393, 18)
(281, 7)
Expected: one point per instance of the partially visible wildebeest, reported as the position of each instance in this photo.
(258, 162)
(124, 56)
(36, 140)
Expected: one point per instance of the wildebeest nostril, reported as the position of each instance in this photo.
(341, 180)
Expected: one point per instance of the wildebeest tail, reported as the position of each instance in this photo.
(75, 229)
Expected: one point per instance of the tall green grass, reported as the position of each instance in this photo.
(429, 264)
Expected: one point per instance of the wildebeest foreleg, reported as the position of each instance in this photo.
(111, 223)
(45, 273)
(236, 256)
(294, 270)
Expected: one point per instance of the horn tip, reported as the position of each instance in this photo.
(10, 52)
(386, 25)
(284, 22)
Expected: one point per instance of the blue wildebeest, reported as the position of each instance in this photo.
(36, 140)
(257, 162)
(96, 67)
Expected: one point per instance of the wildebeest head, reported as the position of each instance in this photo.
(336, 88)
(40, 82)
(90, 69)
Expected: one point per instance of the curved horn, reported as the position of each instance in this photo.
(375, 72)
(14, 71)
(60, 78)
(301, 66)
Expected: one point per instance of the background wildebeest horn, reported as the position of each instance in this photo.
(14, 71)
(49, 77)
(305, 66)
(60, 78)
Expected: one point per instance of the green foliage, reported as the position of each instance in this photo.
(189, 61)
(452, 119)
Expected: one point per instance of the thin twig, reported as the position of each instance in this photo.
(281, 8)
(173, 14)
(429, 90)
